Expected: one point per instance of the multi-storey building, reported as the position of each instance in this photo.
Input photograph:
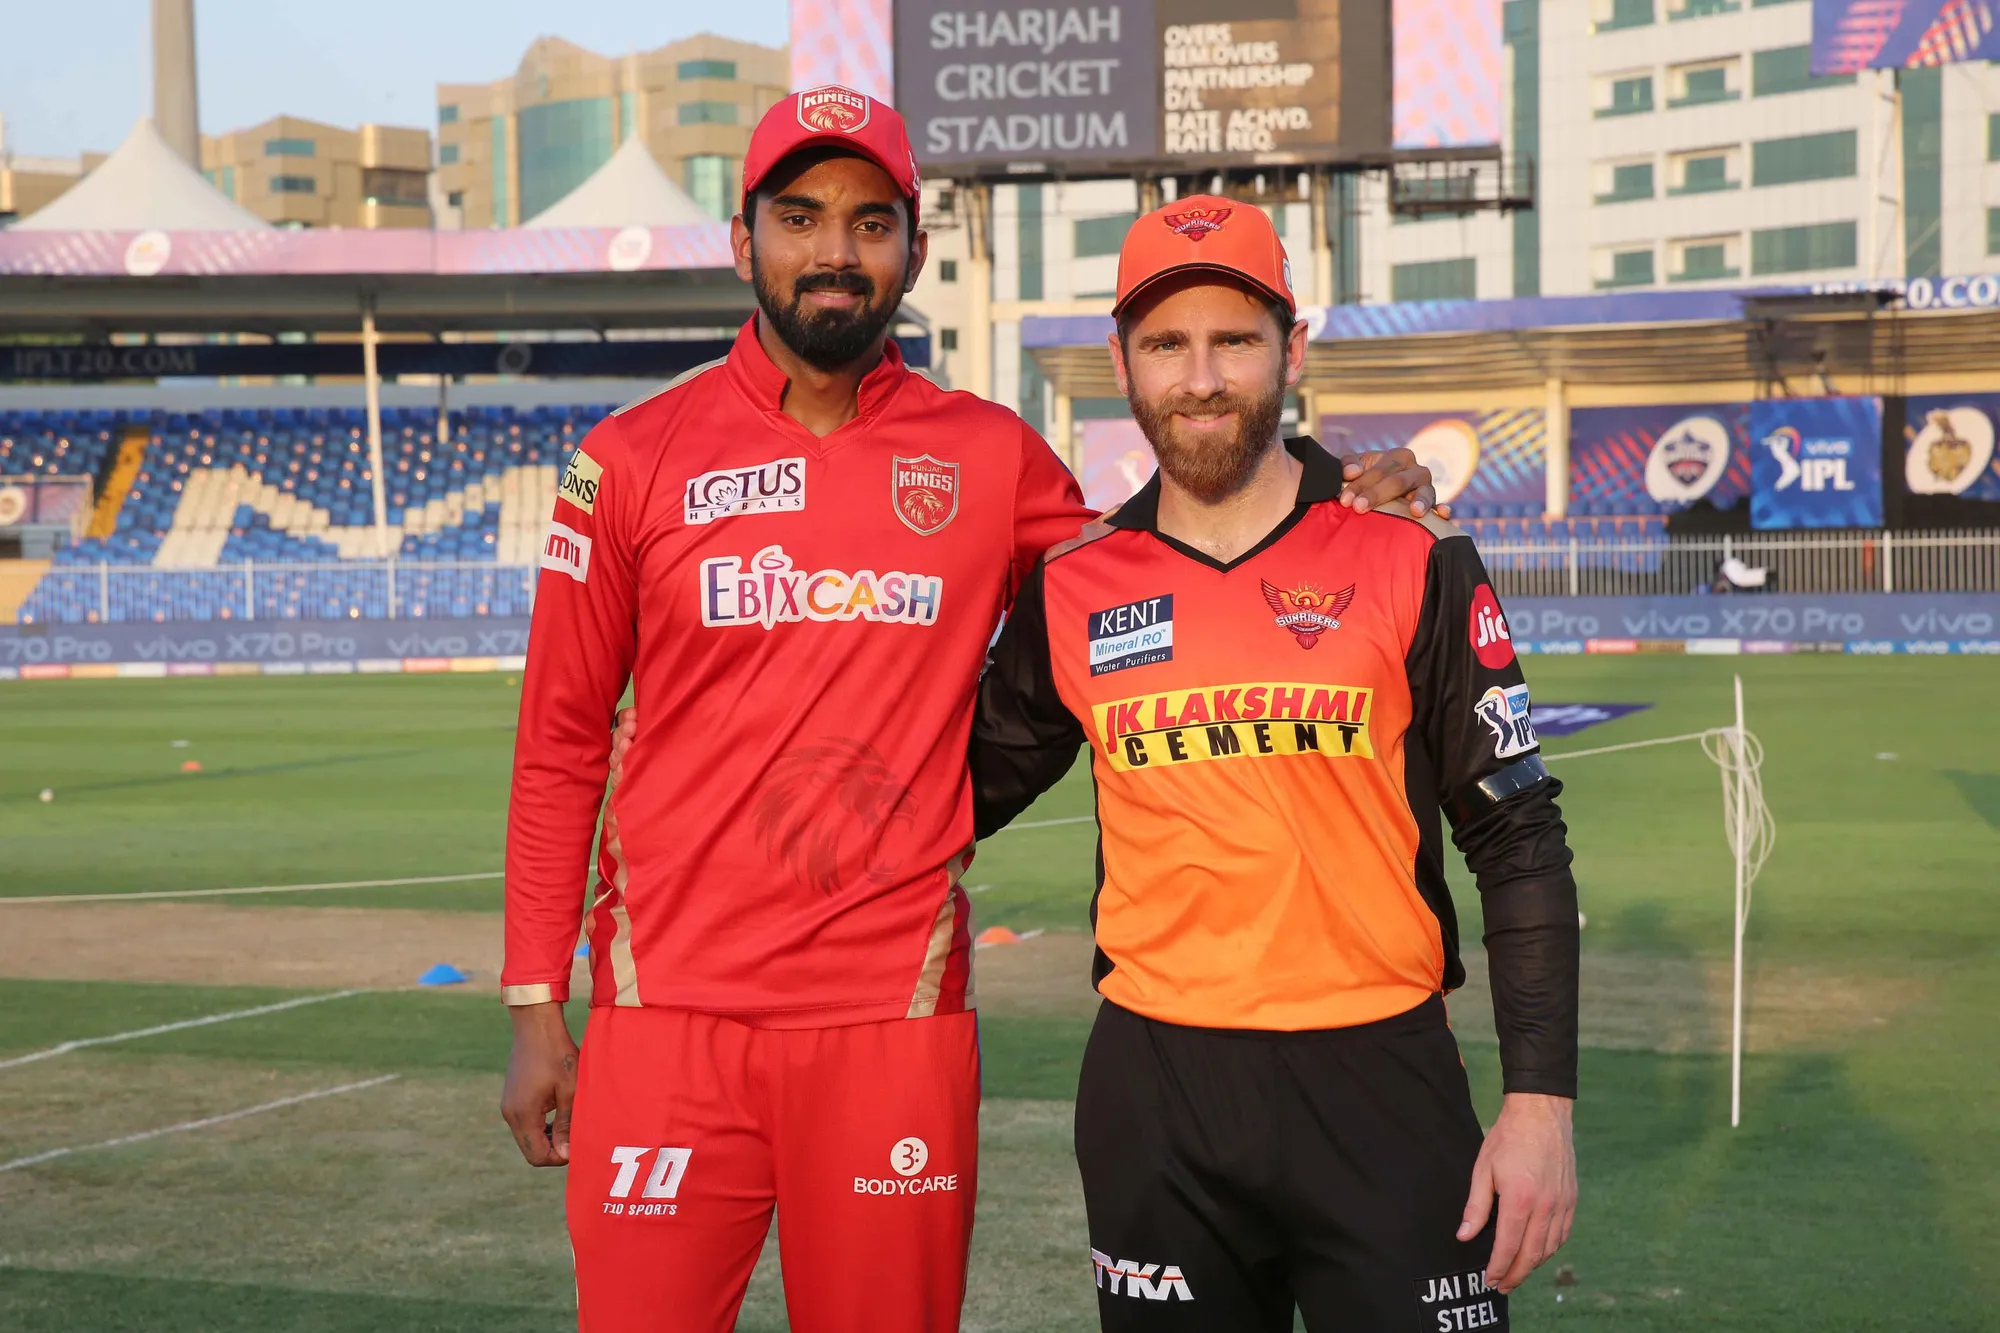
(295, 172)
(27, 183)
(1674, 143)
(509, 149)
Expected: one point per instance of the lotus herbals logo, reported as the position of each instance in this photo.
(1306, 611)
(1195, 223)
(924, 492)
(833, 110)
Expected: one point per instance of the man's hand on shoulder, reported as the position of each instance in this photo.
(1529, 1160)
(1376, 480)
(541, 1078)
(622, 736)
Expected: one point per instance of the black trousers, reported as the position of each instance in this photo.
(1230, 1175)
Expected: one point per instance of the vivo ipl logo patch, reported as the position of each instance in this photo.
(769, 590)
(1136, 634)
(1504, 709)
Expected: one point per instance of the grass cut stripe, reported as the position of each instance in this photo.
(38, 1158)
(260, 888)
(64, 1048)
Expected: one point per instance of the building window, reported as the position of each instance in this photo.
(1765, 4)
(288, 148)
(293, 185)
(561, 144)
(1434, 280)
(447, 154)
(1629, 180)
(1704, 261)
(456, 199)
(502, 211)
(948, 271)
(706, 69)
(1630, 268)
(1993, 231)
(707, 113)
(708, 184)
(948, 340)
(1699, 9)
(223, 179)
(389, 185)
(1993, 136)
(1629, 96)
(1802, 249)
(624, 117)
(1625, 14)
(448, 114)
(1702, 173)
(1788, 69)
(1809, 157)
(1702, 84)
(1102, 236)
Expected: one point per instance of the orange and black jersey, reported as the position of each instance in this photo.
(1273, 740)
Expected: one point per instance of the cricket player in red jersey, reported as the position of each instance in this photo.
(797, 557)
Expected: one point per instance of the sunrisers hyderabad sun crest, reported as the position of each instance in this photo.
(924, 492)
(1305, 610)
(833, 110)
(1196, 223)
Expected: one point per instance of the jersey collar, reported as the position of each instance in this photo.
(764, 384)
(1320, 481)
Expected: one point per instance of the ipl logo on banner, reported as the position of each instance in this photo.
(1816, 463)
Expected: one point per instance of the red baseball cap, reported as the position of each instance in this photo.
(1204, 231)
(837, 117)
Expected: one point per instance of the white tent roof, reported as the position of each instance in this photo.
(627, 191)
(143, 186)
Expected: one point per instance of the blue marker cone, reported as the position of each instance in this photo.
(444, 974)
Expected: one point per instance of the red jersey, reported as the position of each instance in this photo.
(803, 621)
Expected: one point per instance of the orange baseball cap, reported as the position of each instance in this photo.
(1204, 231)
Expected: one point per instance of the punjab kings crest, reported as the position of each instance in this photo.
(833, 110)
(924, 492)
(1305, 610)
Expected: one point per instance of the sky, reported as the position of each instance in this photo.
(76, 74)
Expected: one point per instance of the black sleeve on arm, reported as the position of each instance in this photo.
(1501, 803)
(1023, 737)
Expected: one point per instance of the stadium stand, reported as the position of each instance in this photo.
(221, 492)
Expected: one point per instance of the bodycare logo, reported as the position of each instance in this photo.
(908, 1158)
(833, 110)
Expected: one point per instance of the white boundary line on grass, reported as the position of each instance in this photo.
(1050, 823)
(38, 1158)
(260, 888)
(64, 1048)
(1634, 745)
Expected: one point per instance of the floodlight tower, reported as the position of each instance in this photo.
(175, 109)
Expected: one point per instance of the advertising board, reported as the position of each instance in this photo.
(1816, 463)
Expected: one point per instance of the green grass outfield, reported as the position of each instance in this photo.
(1863, 1191)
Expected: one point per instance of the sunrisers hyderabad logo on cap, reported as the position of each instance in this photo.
(1306, 611)
(1196, 223)
(833, 110)
(924, 492)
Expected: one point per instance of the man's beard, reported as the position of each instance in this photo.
(1207, 467)
(825, 339)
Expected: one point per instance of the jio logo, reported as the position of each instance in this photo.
(909, 1156)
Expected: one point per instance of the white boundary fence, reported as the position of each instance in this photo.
(1799, 562)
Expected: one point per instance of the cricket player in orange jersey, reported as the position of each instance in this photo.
(1279, 697)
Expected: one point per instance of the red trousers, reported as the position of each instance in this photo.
(688, 1129)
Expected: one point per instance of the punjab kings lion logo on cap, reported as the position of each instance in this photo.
(924, 492)
(1306, 611)
(833, 110)
(1196, 223)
